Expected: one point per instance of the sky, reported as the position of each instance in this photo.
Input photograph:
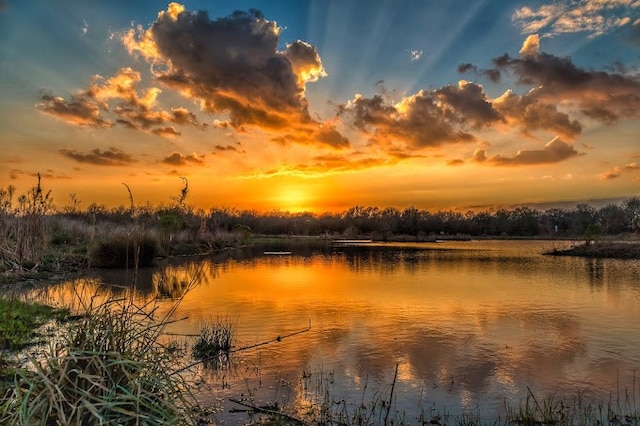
(322, 105)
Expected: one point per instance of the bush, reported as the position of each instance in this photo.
(120, 249)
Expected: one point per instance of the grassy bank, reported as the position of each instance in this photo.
(602, 249)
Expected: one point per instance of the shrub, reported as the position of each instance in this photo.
(124, 249)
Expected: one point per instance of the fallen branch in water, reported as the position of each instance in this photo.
(268, 411)
(244, 348)
(275, 339)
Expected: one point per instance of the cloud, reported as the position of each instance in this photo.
(325, 135)
(232, 66)
(632, 166)
(225, 148)
(430, 118)
(324, 165)
(178, 159)
(529, 113)
(611, 174)
(561, 89)
(594, 17)
(79, 110)
(415, 55)
(109, 157)
(455, 162)
(491, 74)
(167, 131)
(554, 151)
(47, 174)
(616, 171)
(91, 107)
(531, 45)
(561, 100)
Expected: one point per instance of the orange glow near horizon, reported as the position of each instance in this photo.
(321, 134)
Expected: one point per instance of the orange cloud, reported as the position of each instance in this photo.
(178, 159)
(430, 118)
(79, 110)
(554, 151)
(324, 165)
(599, 95)
(109, 157)
(232, 66)
(594, 17)
(91, 106)
(614, 173)
(47, 174)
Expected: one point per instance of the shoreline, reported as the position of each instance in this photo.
(628, 250)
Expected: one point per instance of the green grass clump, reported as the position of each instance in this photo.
(19, 321)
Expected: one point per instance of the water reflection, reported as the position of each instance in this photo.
(470, 324)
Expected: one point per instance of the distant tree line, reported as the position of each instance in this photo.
(383, 223)
(373, 222)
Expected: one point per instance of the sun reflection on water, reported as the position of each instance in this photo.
(466, 328)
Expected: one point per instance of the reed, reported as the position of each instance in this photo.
(214, 343)
(109, 367)
(124, 247)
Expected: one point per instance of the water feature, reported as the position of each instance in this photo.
(469, 325)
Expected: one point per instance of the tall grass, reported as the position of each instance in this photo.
(109, 367)
(124, 247)
(25, 237)
(214, 343)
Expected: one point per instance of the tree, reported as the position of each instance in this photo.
(632, 211)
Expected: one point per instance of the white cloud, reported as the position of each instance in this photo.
(594, 17)
(416, 55)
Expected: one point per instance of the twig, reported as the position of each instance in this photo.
(393, 385)
(536, 401)
(268, 411)
(275, 339)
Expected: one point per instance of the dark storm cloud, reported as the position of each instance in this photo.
(109, 157)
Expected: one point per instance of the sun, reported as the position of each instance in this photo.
(294, 199)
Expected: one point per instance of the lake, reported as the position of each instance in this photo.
(469, 325)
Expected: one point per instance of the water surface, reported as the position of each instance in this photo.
(469, 324)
